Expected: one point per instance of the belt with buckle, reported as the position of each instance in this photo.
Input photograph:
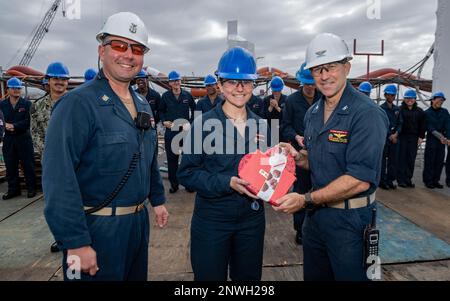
(108, 211)
(353, 203)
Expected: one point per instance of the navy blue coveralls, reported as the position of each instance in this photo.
(2, 125)
(291, 126)
(225, 230)
(413, 128)
(255, 104)
(436, 120)
(153, 99)
(89, 144)
(205, 104)
(18, 144)
(172, 109)
(332, 237)
(390, 152)
(447, 162)
(274, 115)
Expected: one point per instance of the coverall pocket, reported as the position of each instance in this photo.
(114, 153)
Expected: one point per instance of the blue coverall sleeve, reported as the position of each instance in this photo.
(67, 136)
(193, 175)
(199, 105)
(156, 196)
(162, 108)
(399, 123)
(448, 127)
(429, 123)
(2, 125)
(286, 122)
(365, 148)
(192, 108)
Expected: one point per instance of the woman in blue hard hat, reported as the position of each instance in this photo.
(228, 223)
(411, 137)
(438, 134)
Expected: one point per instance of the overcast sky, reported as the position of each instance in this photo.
(190, 35)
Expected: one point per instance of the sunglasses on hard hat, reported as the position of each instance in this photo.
(331, 67)
(122, 46)
(236, 83)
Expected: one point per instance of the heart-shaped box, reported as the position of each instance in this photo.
(270, 174)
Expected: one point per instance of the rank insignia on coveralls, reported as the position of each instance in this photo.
(338, 136)
(105, 98)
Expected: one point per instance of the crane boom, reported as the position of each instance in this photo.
(40, 33)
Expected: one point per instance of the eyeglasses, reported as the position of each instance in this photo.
(122, 46)
(235, 83)
(332, 67)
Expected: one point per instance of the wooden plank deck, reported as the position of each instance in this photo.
(25, 254)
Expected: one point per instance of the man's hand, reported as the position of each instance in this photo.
(88, 259)
(300, 140)
(167, 124)
(290, 149)
(186, 126)
(444, 141)
(162, 215)
(239, 185)
(290, 203)
(393, 138)
(9, 126)
(419, 141)
(301, 157)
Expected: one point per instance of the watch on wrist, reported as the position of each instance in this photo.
(309, 204)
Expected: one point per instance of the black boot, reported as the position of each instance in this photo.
(54, 248)
(10, 195)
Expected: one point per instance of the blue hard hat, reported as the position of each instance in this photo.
(141, 74)
(173, 75)
(411, 93)
(438, 94)
(304, 76)
(89, 74)
(237, 63)
(14, 83)
(390, 89)
(57, 69)
(365, 87)
(277, 84)
(210, 80)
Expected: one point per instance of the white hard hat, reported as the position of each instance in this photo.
(326, 48)
(126, 25)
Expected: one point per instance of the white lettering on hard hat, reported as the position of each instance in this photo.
(321, 53)
(133, 28)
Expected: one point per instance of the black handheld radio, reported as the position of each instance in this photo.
(143, 120)
(371, 239)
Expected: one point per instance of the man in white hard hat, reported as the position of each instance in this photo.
(100, 164)
(344, 138)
